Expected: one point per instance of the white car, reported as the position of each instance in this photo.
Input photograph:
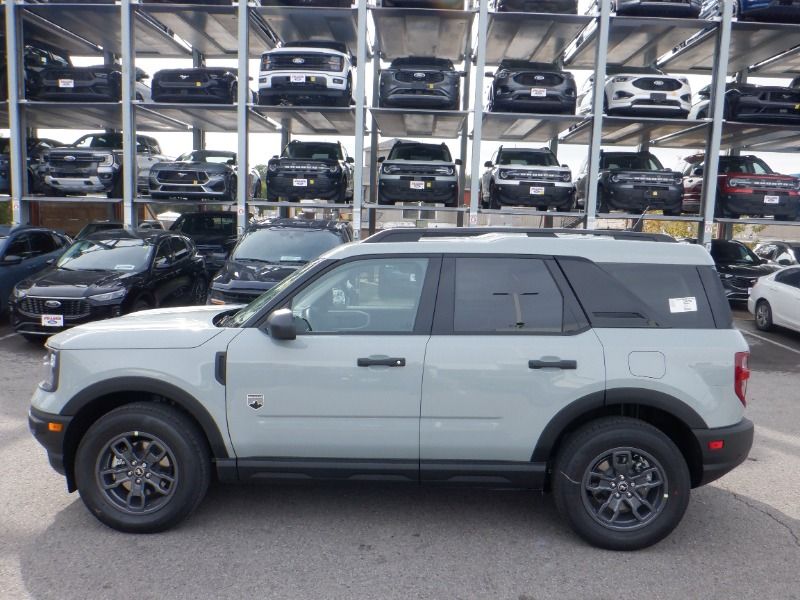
(306, 72)
(650, 94)
(775, 300)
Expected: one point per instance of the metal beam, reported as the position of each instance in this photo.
(17, 161)
(373, 138)
(129, 164)
(242, 99)
(477, 127)
(599, 90)
(361, 109)
(198, 134)
(464, 146)
(717, 113)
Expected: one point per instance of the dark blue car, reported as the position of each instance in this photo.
(786, 11)
(24, 250)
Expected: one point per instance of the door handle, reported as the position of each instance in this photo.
(381, 362)
(553, 364)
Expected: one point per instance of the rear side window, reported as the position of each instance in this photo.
(789, 277)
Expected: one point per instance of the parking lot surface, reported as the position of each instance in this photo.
(740, 537)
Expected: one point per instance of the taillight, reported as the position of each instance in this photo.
(741, 374)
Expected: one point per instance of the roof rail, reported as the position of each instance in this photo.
(414, 234)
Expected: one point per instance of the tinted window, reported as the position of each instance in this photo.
(637, 162)
(365, 296)
(743, 164)
(19, 246)
(285, 245)
(42, 243)
(198, 224)
(421, 152)
(222, 158)
(732, 252)
(179, 248)
(789, 277)
(506, 295)
(313, 151)
(107, 255)
(524, 158)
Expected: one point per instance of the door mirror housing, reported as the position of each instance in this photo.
(350, 160)
(11, 259)
(458, 162)
(488, 164)
(697, 172)
(280, 325)
(381, 159)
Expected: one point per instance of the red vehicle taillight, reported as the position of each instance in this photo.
(741, 374)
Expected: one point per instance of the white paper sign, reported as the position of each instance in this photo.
(417, 185)
(52, 320)
(772, 199)
(539, 92)
(300, 182)
(66, 83)
(682, 305)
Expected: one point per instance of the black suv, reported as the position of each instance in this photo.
(522, 86)
(213, 232)
(634, 181)
(108, 274)
(417, 172)
(537, 6)
(420, 82)
(311, 170)
(269, 252)
(203, 84)
(738, 268)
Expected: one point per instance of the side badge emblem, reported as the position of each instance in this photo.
(255, 401)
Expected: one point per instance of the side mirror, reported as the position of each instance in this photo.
(489, 75)
(275, 157)
(381, 159)
(488, 164)
(697, 172)
(11, 259)
(350, 160)
(565, 166)
(785, 262)
(458, 161)
(280, 325)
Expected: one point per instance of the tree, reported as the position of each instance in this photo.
(5, 212)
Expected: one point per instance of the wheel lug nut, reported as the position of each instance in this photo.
(130, 473)
(138, 481)
(629, 494)
(163, 484)
(616, 495)
(147, 475)
(612, 483)
(133, 462)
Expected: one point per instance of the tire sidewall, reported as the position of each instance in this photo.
(571, 468)
(188, 461)
(765, 305)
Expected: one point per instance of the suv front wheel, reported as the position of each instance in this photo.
(621, 483)
(142, 468)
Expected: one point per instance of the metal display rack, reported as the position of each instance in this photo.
(475, 36)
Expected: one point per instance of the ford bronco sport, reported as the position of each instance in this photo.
(606, 371)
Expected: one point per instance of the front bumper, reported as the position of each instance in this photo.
(753, 110)
(737, 289)
(737, 440)
(214, 187)
(517, 98)
(638, 197)
(30, 322)
(318, 186)
(317, 85)
(89, 90)
(81, 185)
(392, 189)
(646, 103)
(413, 94)
(753, 204)
(51, 437)
(547, 194)
(212, 92)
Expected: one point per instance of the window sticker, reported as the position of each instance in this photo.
(124, 267)
(682, 305)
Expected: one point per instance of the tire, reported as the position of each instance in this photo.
(483, 203)
(763, 316)
(640, 448)
(198, 291)
(141, 304)
(169, 489)
(602, 203)
(672, 213)
(37, 340)
(345, 99)
(494, 201)
(117, 187)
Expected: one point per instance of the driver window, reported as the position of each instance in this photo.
(365, 296)
(19, 247)
(164, 254)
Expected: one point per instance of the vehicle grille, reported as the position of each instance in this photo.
(186, 177)
(69, 307)
(311, 62)
(183, 77)
(765, 184)
(75, 75)
(538, 175)
(743, 282)
(648, 179)
(427, 77)
(414, 170)
(303, 167)
(539, 79)
(781, 96)
(651, 84)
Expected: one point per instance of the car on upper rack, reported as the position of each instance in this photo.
(752, 103)
(199, 84)
(775, 300)
(657, 8)
(206, 175)
(311, 171)
(35, 150)
(780, 11)
(271, 251)
(738, 268)
(523, 86)
(418, 172)
(304, 72)
(643, 92)
(25, 250)
(746, 185)
(93, 163)
(105, 275)
(420, 82)
(439, 4)
(36, 56)
(606, 371)
(214, 233)
(95, 226)
(99, 83)
(536, 6)
(526, 177)
(785, 254)
(633, 181)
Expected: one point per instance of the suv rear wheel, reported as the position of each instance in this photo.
(142, 468)
(621, 483)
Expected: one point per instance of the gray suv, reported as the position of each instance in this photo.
(606, 371)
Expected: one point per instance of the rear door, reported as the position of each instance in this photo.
(509, 350)
(785, 298)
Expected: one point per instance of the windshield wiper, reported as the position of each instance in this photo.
(261, 260)
(299, 261)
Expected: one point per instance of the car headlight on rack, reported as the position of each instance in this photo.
(621, 79)
(444, 170)
(566, 176)
(107, 160)
(502, 73)
(334, 169)
(50, 364)
(734, 182)
(108, 296)
(18, 293)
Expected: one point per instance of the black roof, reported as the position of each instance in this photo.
(7, 228)
(414, 234)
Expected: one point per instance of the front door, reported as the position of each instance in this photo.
(348, 387)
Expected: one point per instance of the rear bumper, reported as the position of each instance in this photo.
(52, 441)
(753, 204)
(737, 441)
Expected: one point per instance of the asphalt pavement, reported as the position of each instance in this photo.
(740, 537)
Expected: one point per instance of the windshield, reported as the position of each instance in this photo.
(312, 151)
(285, 245)
(635, 162)
(211, 224)
(527, 159)
(420, 152)
(248, 311)
(733, 253)
(107, 255)
(743, 164)
(209, 157)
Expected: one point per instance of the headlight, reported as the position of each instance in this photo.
(115, 295)
(334, 169)
(726, 275)
(389, 169)
(445, 170)
(614, 178)
(272, 167)
(18, 293)
(621, 79)
(566, 176)
(108, 161)
(502, 74)
(734, 182)
(503, 174)
(335, 62)
(50, 367)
